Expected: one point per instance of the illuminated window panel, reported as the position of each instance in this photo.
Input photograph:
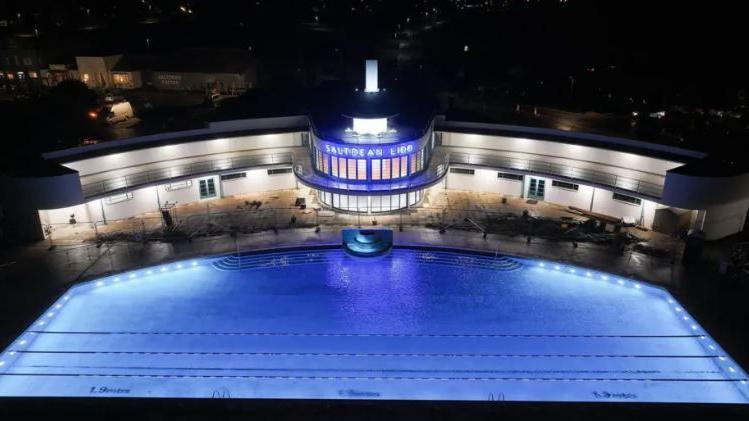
(325, 163)
(342, 167)
(362, 169)
(386, 169)
(376, 169)
(404, 166)
(396, 168)
(352, 169)
(334, 165)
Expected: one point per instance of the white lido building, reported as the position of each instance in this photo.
(376, 151)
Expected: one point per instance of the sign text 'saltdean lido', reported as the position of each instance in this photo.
(365, 151)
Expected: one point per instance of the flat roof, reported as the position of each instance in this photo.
(639, 147)
(410, 114)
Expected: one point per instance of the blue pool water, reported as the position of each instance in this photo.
(415, 324)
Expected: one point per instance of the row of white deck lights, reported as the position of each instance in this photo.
(637, 285)
(67, 297)
(590, 274)
(149, 272)
(703, 336)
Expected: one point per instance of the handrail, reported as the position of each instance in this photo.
(435, 171)
(559, 170)
(180, 171)
(432, 174)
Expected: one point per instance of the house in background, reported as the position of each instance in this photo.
(96, 71)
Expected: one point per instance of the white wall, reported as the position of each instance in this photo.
(485, 181)
(62, 215)
(144, 200)
(618, 163)
(177, 154)
(181, 196)
(604, 203)
(258, 180)
(724, 220)
(579, 198)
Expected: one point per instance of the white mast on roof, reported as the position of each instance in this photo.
(371, 76)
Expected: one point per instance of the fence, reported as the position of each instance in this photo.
(164, 175)
(652, 190)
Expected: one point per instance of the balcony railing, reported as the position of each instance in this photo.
(583, 175)
(164, 175)
(303, 169)
(428, 177)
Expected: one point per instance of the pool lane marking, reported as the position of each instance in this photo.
(261, 377)
(353, 354)
(363, 335)
(367, 370)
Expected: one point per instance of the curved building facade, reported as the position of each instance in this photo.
(374, 151)
(370, 151)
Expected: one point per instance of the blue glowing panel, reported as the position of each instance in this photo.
(368, 151)
(412, 324)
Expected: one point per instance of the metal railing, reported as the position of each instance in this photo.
(433, 174)
(559, 170)
(161, 175)
(303, 170)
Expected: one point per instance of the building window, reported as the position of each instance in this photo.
(334, 165)
(121, 79)
(404, 166)
(326, 163)
(362, 168)
(565, 185)
(352, 169)
(386, 169)
(396, 168)
(375, 169)
(627, 199)
(119, 198)
(207, 188)
(278, 171)
(178, 185)
(464, 171)
(342, 168)
(508, 176)
(233, 176)
(85, 77)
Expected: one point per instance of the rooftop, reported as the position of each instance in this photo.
(409, 112)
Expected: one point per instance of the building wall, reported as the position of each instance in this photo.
(484, 180)
(145, 199)
(96, 71)
(618, 163)
(724, 220)
(193, 81)
(604, 203)
(258, 180)
(127, 79)
(580, 198)
(139, 160)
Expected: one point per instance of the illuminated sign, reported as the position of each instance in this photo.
(372, 126)
(368, 151)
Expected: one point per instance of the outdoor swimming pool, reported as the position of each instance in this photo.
(414, 324)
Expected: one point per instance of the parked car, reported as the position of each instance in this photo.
(117, 112)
